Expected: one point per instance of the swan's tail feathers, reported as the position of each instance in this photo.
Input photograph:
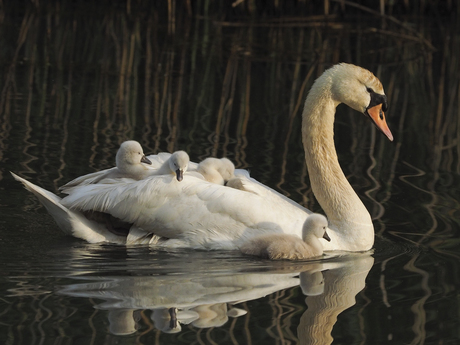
(71, 222)
(138, 236)
(51, 202)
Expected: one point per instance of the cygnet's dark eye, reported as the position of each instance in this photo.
(369, 90)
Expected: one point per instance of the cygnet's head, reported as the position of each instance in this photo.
(178, 163)
(316, 225)
(227, 169)
(131, 153)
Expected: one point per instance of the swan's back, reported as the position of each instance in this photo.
(205, 215)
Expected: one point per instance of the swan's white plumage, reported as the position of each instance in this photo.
(204, 215)
(200, 214)
(73, 223)
(244, 182)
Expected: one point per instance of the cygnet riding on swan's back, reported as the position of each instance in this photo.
(199, 214)
(176, 164)
(291, 247)
(129, 164)
(216, 170)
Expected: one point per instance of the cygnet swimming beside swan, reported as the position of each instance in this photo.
(291, 247)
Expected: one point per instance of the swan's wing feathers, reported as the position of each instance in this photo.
(86, 179)
(158, 159)
(197, 212)
(250, 184)
(99, 197)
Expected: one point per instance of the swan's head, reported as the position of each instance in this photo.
(361, 90)
(131, 153)
(315, 225)
(178, 163)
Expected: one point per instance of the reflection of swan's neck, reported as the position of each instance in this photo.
(346, 213)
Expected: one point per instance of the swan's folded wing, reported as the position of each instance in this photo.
(71, 222)
(158, 159)
(195, 210)
(85, 180)
(251, 185)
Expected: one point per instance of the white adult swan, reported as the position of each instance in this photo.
(291, 247)
(196, 213)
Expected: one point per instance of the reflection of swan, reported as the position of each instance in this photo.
(341, 285)
(203, 215)
(207, 298)
(290, 247)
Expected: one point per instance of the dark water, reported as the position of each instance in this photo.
(78, 79)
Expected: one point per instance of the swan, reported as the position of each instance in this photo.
(176, 164)
(216, 170)
(199, 214)
(291, 247)
(129, 159)
(129, 163)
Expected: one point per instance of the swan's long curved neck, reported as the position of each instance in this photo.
(348, 217)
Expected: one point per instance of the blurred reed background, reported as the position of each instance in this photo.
(229, 79)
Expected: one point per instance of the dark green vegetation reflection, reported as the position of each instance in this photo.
(229, 79)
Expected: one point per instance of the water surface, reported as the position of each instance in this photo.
(76, 83)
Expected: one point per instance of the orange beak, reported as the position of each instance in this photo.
(378, 117)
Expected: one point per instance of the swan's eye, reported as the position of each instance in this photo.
(369, 90)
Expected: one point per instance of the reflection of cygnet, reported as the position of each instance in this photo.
(216, 170)
(211, 315)
(312, 283)
(236, 312)
(122, 321)
(165, 320)
(291, 247)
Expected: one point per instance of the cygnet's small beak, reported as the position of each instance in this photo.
(145, 160)
(179, 174)
(326, 237)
